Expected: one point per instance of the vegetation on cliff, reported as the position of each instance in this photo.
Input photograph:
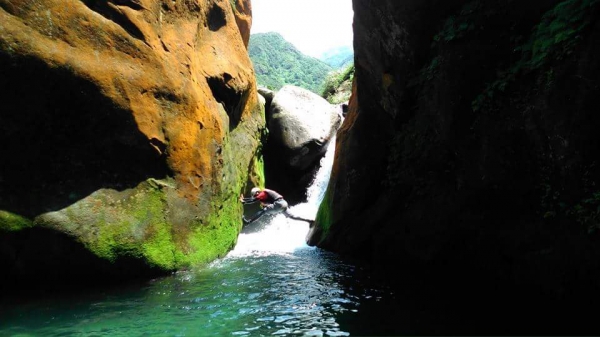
(277, 63)
(338, 85)
(526, 66)
(13, 222)
(553, 40)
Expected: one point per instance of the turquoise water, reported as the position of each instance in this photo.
(272, 283)
(263, 288)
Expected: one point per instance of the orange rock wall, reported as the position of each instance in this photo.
(243, 17)
(151, 58)
(166, 88)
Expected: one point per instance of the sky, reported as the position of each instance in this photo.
(313, 26)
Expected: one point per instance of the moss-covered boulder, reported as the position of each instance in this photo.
(130, 128)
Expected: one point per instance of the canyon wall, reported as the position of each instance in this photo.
(471, 147)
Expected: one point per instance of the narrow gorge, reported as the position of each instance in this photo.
(466, 169)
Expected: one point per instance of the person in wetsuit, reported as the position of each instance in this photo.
(271, 202)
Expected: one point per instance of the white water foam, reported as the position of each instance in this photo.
(279, 234)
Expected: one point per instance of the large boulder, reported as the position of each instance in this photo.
(301, 124)
(129, 128)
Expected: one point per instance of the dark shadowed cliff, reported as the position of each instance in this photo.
(469, 157)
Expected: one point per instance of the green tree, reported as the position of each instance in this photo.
(277, 63)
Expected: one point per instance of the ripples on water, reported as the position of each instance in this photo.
(302, 292)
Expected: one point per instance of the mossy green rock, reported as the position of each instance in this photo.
(13, 222)
(152, 223)
(127, 143)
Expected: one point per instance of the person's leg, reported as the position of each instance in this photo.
(255, 217)
(287, 213)
(295, 217)
(278, 207)
(274, 208)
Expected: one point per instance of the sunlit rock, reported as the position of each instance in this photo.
(242, 9)
(129, 126)
(301, 123)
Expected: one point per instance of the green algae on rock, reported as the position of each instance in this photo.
(13, 222)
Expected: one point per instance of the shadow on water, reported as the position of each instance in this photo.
(263, 293)
(270, 286)
(431, 303)
(307, 292)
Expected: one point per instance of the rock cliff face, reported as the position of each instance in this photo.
(129, 127)
(471, 146)
(243, 17)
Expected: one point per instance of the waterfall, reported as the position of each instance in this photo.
(279, 234)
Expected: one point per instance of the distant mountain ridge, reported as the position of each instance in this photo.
(277, 63)
(339, 57)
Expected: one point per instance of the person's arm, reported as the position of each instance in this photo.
(250, 200)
